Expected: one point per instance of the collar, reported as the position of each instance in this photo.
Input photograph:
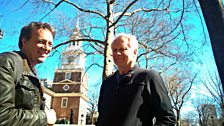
(126, 76)
(27, 68)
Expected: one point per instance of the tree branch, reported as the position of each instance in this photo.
(84, 10)
(122, 13)
(77, 40)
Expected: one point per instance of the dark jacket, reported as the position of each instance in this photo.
(20, 104)
(135, 100)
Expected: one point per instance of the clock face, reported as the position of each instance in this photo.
(66, 87)
(71, 59)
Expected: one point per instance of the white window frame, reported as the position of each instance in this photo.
(64, 102)
(68, 75)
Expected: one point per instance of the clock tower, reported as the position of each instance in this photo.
(70, 84)
(73, 56)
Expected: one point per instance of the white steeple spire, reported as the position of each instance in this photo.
(74, 36)
(77, 23)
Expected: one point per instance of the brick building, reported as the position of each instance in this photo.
(68, 94)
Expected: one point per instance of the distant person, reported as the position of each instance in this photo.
(133, 96)
(21, 95)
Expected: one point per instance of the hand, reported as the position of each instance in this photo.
(51, 116)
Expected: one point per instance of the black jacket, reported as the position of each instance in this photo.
(20, 104)
(135, 100)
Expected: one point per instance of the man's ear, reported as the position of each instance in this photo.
(24, 41)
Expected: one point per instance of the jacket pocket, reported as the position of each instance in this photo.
(25, 94)
(133, 89)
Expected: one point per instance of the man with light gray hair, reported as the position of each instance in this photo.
(133, 96)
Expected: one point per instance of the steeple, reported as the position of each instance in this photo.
(73, 56)
(74, 36)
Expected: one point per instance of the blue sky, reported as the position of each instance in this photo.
(13, 19)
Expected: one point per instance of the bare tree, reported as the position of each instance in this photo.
(158, 26)
(192, 118)
(205, 109)
(179, 86)
(92, 109)
(213, 84)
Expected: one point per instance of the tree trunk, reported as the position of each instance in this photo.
(108, 61)
(213, 15)
(178, 118)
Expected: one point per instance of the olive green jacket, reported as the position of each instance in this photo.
(21, 103)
